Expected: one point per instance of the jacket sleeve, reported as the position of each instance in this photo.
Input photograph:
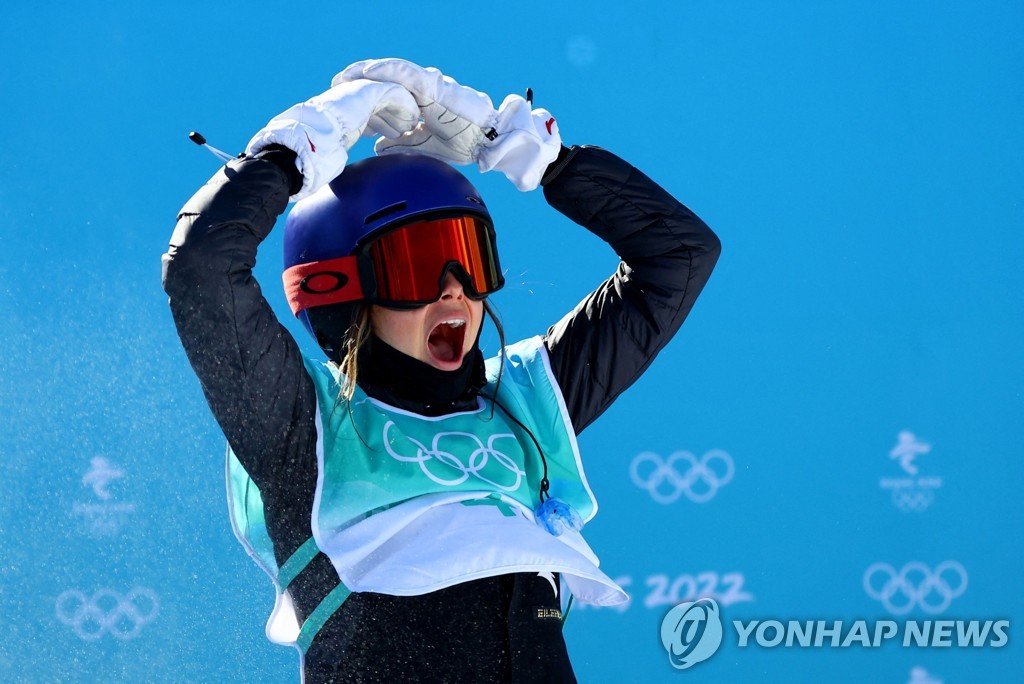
(667, 254)
(249, 366)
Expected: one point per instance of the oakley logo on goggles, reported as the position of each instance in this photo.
(403, 268)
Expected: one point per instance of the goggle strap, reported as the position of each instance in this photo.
(322, 282)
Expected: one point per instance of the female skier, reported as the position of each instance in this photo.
(417, 507)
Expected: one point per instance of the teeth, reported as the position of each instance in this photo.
(454, 323)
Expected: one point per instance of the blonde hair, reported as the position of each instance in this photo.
(355, 338)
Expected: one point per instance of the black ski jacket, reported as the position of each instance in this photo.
(252, 374)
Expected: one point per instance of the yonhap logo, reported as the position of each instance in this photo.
(691, 632)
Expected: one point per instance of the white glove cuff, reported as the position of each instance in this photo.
(318, 139)
(527, 142)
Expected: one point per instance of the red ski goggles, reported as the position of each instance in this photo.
(404, 268)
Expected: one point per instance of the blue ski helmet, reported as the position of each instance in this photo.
(368, 199)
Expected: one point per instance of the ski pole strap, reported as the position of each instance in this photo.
(296, 563)
(320, 615)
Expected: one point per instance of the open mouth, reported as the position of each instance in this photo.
(446, 340)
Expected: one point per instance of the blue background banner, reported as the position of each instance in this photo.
(835, 434)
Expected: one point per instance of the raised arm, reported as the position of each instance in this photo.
(667, 254)
(248, 365)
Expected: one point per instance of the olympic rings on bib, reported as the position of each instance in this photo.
(450, 470)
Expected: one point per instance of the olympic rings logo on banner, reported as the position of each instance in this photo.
(478, 458)
(915, 585)
(699, 481)
(912, 498)
(107, 611)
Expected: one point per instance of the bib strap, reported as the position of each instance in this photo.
(296, 563)
(320, 615)
(291, 568)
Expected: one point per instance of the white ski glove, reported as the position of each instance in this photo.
(461, 126)
(322, 129)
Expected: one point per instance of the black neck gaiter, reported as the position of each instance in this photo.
(407, 383)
